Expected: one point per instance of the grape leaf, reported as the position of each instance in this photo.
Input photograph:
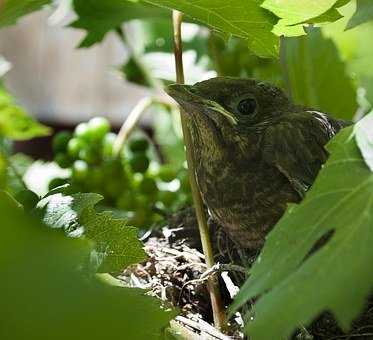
(315, 68)
(99, 17)
(295, 14)
(364, 13)
(297, 11)
(297, 284)
(48, 297)
(244, 19)
(11, 10)
(364, 139)
(116, 243)
(14, 121)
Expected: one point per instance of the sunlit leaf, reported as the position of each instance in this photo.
(15, 123)
(244, 19)
(116, 243)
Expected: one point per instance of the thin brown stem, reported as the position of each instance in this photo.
(213, 284)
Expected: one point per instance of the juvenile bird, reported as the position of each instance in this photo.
(255, 151)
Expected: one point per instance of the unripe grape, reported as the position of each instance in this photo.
(166, 173)
(62, 160)
(107, 144)
(80, 170)
(74, 147)
(82, 131)
(88, 154)
(98, 128)
(139, 162)
(148, 186)
(60, 140)
(139, 144)
(95, 178)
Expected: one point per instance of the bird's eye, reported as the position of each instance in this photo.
(247, 106)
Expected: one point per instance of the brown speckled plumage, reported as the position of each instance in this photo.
(249, 166)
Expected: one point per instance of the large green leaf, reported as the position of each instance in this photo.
(116, 243)
(364, 13)
(14, 121)
(297, 285)
(295, 13)
(46, 296)
(244, 19)
(318, 77)
(11, 10)
(99, 17)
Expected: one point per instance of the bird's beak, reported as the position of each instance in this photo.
(192, 102)
(182, 95)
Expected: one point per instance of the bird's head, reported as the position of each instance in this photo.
(227, 114)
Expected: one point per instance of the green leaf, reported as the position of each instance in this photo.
(48, 297)
(244, 19)
(364, 139)
(11, 10)
(116, 243)
(364, 13)
(318, 76)
(297, 11)
(295, 14)
(15, 123)
(297, 284)
(99, 17)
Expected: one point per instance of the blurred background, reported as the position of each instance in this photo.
(128, 56)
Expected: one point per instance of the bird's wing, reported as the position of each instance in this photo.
(295, 145)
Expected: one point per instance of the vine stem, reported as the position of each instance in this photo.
(132, 121)
(213, 283)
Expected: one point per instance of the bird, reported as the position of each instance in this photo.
(254, 151)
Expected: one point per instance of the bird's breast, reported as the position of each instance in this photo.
(245, 198)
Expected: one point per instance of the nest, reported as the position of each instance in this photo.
(176, 273)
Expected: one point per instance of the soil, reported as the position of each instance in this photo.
(175, 273)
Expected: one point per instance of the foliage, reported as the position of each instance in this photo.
(116, 244)
(364, 13)
(294, 14)
(15, 123)
(320, 67)
(242, 19)
(11, 10)
(47, 296)
(307, 279)
(99, 17)
(314, 68)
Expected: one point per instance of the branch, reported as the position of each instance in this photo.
(213, 283)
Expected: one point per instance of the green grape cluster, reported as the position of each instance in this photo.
(134, 182)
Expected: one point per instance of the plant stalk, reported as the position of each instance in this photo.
(213, 283)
